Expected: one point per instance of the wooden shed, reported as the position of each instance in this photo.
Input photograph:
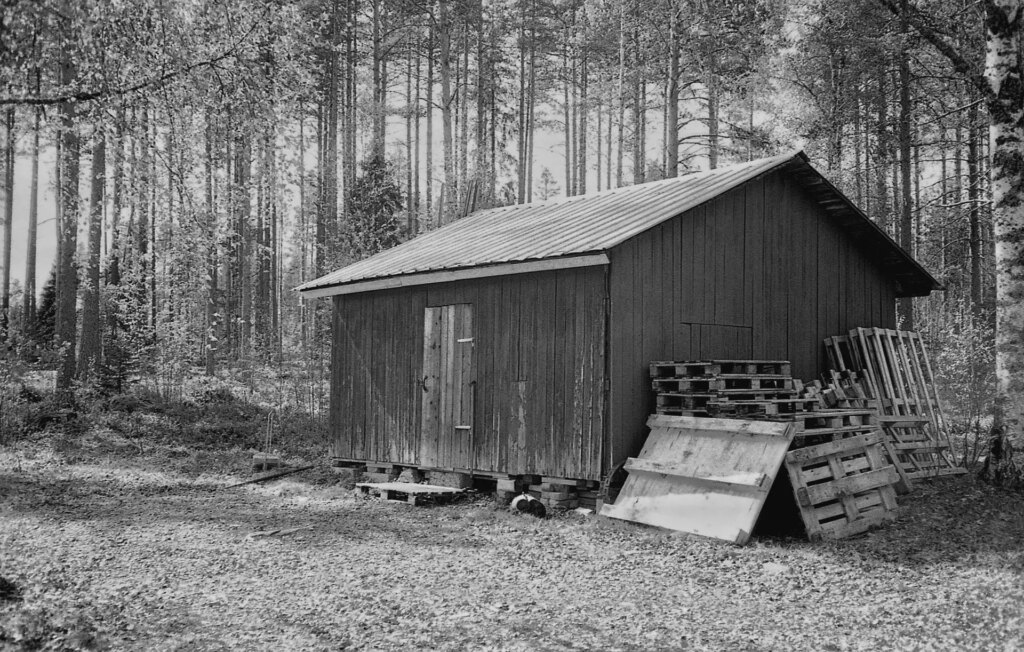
(517, 340)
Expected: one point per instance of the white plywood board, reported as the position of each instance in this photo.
(708, 477)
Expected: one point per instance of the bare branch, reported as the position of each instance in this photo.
(918, 21)
(154, 82)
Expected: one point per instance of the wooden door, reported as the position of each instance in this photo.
(446, 430)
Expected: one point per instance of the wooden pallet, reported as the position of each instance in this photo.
(683, 401)
(765, 407)
(709, 368)
(409, 493)
(723, 383)
(838, 418)
(843, 487)
(897, 378)
(679, 412)
(914, 451)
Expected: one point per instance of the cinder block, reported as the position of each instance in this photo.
(511, 485)
(456, 480)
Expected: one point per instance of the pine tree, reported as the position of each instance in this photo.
(42, 328)
(375, 200)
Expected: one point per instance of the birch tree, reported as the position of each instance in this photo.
(1002, 87)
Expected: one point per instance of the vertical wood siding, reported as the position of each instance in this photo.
(538, 346)
(759, 272)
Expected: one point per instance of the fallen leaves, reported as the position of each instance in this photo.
(118, 553)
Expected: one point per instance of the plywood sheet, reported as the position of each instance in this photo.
(708, 477)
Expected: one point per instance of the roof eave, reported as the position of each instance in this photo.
(919, 282)
(447, 275)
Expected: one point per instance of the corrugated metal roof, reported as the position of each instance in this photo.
(557, 228)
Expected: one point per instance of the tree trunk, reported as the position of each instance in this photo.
(481, 165)
(410, 114)
(66, 325)
(379, 82)
(1006, 134)
(567, 80)
(414, 196)
(90, 349)
(521, 132)
(447, 136)
(243, 211)
(29, 299)
(599, 140)
(906, 304)
(429, 154)
(5, 273)
(882, 156)
(212, 327)
(638, 109)
(672, 102)
(620, 97)
(581, 128)
(974, 210)
(463, 96)
(712, 84)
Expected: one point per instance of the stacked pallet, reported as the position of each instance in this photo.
(726, 388)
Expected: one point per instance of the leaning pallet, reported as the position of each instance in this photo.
(843, 487)
(708, 477)
(898, 378)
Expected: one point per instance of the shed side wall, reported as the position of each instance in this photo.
(539, 367)
(758, 273)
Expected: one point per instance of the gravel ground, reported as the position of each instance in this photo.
(109, 552)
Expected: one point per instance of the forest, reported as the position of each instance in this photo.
(172, 171)
(195, 161)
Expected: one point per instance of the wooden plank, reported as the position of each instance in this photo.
(362, 385)
(838, 530)
(843, 487)
(826, 513)
(920, 357)
(599, 417)
(701, 425)
(850, 466)
(744, 482)
(577, 429)
(448, 385)
(433, 333)
(704, 498)
(777, 272)
(544, 373)
(803, 455)
(895, 369)
(875, 456)
(699, 276)
(465, 346)
(753, 265)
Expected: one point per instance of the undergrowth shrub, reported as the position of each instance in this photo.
(962, 353)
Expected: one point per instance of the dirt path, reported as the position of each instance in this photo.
(111, 555)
